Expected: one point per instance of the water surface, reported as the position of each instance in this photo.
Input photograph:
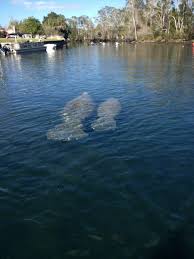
(115, 194)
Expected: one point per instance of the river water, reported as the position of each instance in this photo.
(123, 193)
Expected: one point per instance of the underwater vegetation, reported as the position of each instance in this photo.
(77, 110)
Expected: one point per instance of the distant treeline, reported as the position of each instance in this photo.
(137, 20)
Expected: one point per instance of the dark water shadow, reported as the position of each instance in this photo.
(176, 245)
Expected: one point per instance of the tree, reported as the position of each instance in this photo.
(185, 12)
(135, 8)
(55, 24)
(73, 27)
(111, 22)
(132, 10)
(31, 25)
(85, 27)
(81, 28)
(2, 32)
(138, 19)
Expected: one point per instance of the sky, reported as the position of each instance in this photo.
(20, 9)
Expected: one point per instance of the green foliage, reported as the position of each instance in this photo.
(161, 20)
(55, 24)
(81, 28)
(112, 23)
(2, 34)
(31, 26)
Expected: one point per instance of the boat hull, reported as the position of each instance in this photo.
(27, 47)
(17, 51)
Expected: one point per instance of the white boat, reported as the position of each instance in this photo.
(50, 47)
(25, 47)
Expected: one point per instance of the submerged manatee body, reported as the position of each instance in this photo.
(104, 124)
(109, 108)
(107, 112)
(74, 113)
(67, 132)
(79, 108)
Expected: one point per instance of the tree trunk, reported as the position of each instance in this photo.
(134, 20)
(135, 27)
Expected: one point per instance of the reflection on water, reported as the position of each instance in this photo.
(1, 74)
(51, 54)
(126, 193)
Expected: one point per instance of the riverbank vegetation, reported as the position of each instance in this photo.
(153, 20)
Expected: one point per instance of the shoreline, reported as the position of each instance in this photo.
(166, 41)
(162, 41)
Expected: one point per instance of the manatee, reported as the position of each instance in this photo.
(104, 123)
(74, 113)
(79, 108)
(107, 112)
(109, 108)
(66, 132)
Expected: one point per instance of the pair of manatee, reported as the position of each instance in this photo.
(80, 108)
